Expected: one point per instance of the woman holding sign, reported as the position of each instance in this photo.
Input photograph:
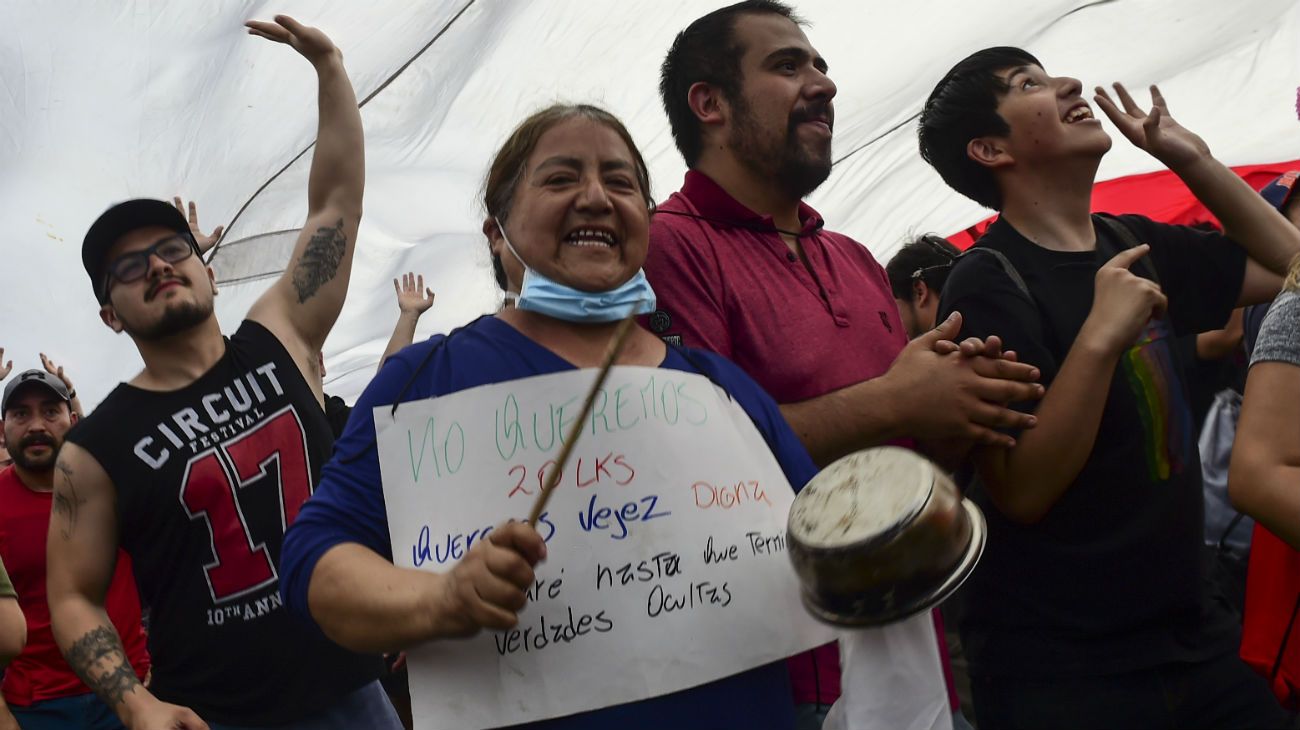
(568, 212)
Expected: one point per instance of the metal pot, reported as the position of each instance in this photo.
(880, 535)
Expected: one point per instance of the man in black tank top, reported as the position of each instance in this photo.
(199, 463)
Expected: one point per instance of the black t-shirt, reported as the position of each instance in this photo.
(207, 479)
(1111, 579)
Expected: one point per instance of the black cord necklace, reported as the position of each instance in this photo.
(751, 225)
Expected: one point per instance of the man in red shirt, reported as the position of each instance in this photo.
(741, 265)
(40, 688)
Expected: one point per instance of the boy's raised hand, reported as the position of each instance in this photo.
(1155, 131)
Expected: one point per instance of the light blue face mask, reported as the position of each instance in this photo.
(542, 295)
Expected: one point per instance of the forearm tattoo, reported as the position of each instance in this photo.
(66, 501)
(99, 659)
(320, 260)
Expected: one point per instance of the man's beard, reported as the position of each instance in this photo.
(36, 464)
(785, 161)
(175, 319)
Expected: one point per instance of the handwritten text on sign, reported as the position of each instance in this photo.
(667, 566)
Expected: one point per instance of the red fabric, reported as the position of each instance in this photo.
(1272, 589)
(40, 672)
(1160, 196)
(727, 283)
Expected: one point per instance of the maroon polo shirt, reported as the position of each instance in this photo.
(726, 281)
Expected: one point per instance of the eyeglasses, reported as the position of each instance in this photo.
(133, 266)
(935, 276)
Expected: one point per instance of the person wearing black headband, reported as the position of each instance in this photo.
(916, 276)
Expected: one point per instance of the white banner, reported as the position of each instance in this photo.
(667, 564)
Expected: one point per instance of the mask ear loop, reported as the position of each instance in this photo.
(510, 295)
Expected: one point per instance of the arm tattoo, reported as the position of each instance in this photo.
(99, 659)
(320, 260)
(66, 500)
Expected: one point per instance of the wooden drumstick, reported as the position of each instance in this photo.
(571, 438)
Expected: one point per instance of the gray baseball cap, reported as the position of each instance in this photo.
(34, 377)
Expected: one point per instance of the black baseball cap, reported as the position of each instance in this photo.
(34, 377)
(116, 222)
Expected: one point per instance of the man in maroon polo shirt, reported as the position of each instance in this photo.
(743, 267)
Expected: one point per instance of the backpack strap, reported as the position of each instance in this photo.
(1232, 525)
(1008, 268)
(1005, 263)
(1127, 239)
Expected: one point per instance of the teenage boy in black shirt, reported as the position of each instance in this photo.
(1090, 607)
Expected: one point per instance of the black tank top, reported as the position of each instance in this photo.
(208, 478)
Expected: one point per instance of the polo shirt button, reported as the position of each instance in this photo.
(791, 256)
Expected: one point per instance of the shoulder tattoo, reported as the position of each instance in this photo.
(66, 500)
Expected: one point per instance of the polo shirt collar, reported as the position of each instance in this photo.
(716, 204)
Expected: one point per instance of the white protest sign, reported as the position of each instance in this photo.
(666, 565)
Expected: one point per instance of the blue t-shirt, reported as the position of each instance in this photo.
(348, 505)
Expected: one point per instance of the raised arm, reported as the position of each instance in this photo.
(81, 554)
(302, 305)
(205, 241)
(413, 300)
(74, 403)
(1268, 238)
(5, 365)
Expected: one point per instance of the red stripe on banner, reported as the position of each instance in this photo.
(1159, 195)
